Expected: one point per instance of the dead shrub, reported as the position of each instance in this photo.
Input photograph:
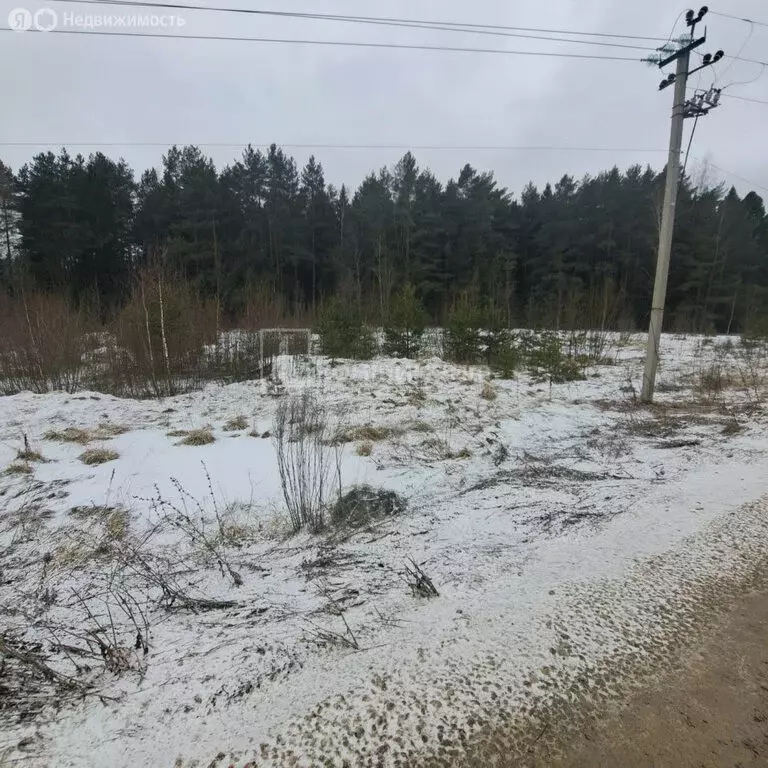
(488, 392)
(189, 516)
(45, 343)
(711, 381)
(167, 340)
(303, 442)
(421, 585)
(732, 427)
(259, 305)
(752, 366)
(160, 337)
(363, 504)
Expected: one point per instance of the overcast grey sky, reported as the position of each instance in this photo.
(67, 88)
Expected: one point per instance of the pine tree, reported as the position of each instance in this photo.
(8, 223)
(319, 227)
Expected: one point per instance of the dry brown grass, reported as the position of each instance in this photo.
(113, 520)
(69, 435)
(95, 456)
(91, 512)
(105, 431)
(236, 424)
(18, 468)
(80, 436)
(29, 455)
(441, 449)
(416, 395)
(198, 437)
(364, 449)
(732, 427)
(712, 381)
(488, 392)
(368, 434)
(116, 525)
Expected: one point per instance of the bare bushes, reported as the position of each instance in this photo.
(421, 585)
(722, 368)
(261, 305)
(44, 343)
(188, 515)
(307, 455)
(167, 340)
(752, 363)
(82, 613)
(159, 337)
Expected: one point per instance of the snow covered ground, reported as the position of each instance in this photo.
(563, 526)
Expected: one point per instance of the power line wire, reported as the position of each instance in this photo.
(329, 43)
(747, 82)
(437, 26)
(465, 27)
(748, 61)
(688, 150)
(739, 18)
(672, 31)
(743, 98)
(738, 53)
(415, 147)
(461, 26)
(735, 175)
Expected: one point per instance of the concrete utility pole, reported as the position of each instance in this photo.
(680, 110)
(667, 227)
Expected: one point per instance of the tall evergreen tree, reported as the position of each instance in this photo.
(545, 259)
(8, 223)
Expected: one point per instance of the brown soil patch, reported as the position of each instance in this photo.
(712, 714)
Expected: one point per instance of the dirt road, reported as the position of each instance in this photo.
(713, 714)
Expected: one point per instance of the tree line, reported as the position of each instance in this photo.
(85, 227)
